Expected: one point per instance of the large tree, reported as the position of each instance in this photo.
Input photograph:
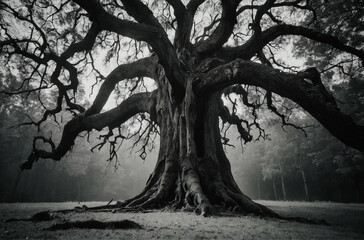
(196, 52)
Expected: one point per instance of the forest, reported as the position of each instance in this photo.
(197, 104)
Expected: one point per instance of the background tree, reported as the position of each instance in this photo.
(194, 51)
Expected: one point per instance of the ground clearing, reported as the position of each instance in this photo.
(347, 222)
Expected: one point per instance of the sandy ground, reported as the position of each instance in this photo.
(347, 222)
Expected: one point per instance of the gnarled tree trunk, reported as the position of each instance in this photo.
(192, 169)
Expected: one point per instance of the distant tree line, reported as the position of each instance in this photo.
(292, 166)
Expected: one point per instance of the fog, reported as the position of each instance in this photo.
(290, 166)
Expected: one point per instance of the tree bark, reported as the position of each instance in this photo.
(282, 183)
(78, 191)
(274, 188)
(15, 187)
(308, 198)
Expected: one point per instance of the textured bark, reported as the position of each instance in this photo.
(307, 194)
(274, 188)
(305, 185)
(283, 185)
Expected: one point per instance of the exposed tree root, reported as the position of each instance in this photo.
(93, 224)
(231, 208)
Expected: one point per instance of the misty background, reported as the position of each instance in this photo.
(290, 166)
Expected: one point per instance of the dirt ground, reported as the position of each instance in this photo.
(347, 222)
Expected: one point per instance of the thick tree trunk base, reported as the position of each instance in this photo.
(205, 198)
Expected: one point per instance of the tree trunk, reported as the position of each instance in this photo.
(308, 198)
(13, 195)
(360, 188)
(283, 185)
(192, 170)
(53, 183)
(78, 191)
(274, 188)
(24, 186)
(34, 192)
(53, 193)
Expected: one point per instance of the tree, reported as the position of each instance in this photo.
(195, 51)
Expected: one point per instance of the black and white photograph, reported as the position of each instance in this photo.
(182, 119)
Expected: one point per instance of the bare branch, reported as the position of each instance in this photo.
(258, 16)
(140, 102)
(284, 118)
(233, 119)
(85, 44)
(284, 29)
(146, 67)
(312, 98)
(223, 31)
(179, 10)
(140, 12)
(184, 24)
(254, 45)
(153, 35)
(193, 5)
(253, 106)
